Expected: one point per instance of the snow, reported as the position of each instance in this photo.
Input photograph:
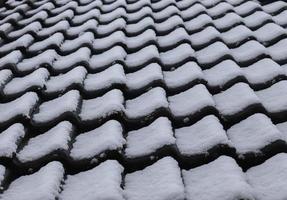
(42, 15)
(60, 26)
(13, 17)
(29, 64)
(160, 181)
(67, 14)
(9, 139)
(246, 7)
(143, 77)
(117, 24)
(141, 39)
(52, 109)
(11, 59)
(22, 41)
(256, 19)
(61, 82)
(263, 34)
(148, 140)
(20, 84)
(173, 37)
(218, 9)
(176, 55)
(146, 103)
(228, 20)
(56, 138)
(236, 34)
(273, 7)
(221, 179)
(268, 180)
(64, 5)
(109, 41)
(235, 99)
(280, 18)
(197, 22)
(64, 62)
(43, 184)
(5, 28)
(185, 103)
(262, 71)
(104, 106)
(116, 53)
(107, 137)
(2, 174)
(110, 16)
(55, 39)
(209, 55)
(90, 5)
(140, 26)
(5, 76)
(21, 106)
(278, 51)
(45, 6)
(222, 73)
(248, 51)
(166, 12)
(102, 182)
(33, 27)
(192, 11)
(183, 75)
(169, 24)
(85, 38)
(113, 75)
(141, 56)
(91, 25)
(253, 134)
(201, 136)
(205, 36)
(274, 97)
(80, 19)
(140, 13)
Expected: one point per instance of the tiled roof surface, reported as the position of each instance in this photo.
(143, 100)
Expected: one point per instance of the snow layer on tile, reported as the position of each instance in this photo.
(278, 51)
(183, 75)
(101, 107)
(91, 25)
(253, 134)
(177, 54)
(190, 101)
(85, 38)
(147, 103)
(235, 99)
(204, 36)
(143, 77)
(56, 138)
(274, 98)
(169, 24)
(43, 184)
(147, 140)
(9, 140)
(5, 76)
(20, 84)
(197, 22)
(63, 81)
(55, 39)
(2, 173)
(116, 53)
(141, 25)
(115, 74)
(110, 40)
(263, 34)
(281, 18)
(212, 53)
(102, 182)
(60, 26)
(282, 127)
(262, 71)
(12, 58)
(268, 180)
(117, 24)
(228, 20)
(173, 37)
(236, 34)
(201, 136)
(55, 108)
(23, 41)
(221, 179)
(21, 106)
(107, 137)
(28, 64)
(142, 56)
(33, 27)
(160, 181)
(221, 73)
(248, 51)
(79, 19)
(141, 39)
(64, 62)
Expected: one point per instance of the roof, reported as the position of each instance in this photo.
(143, 100)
